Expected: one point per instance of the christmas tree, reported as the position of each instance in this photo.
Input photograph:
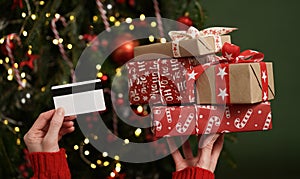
(41, 43)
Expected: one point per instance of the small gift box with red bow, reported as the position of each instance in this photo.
(235, 78)
(190, 43)
(207, 119)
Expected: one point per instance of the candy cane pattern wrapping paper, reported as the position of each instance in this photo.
(202, 119)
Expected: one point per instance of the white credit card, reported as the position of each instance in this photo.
(79, 98)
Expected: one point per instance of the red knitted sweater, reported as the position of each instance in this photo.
(53, 165)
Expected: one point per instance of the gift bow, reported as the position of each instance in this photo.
(193, 33)
(231, 53)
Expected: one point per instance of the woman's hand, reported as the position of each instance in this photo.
(47, 130)
(209, 149)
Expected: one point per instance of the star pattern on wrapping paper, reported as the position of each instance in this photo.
(265, 96)
(179, 98)
(147, 73)
(145, 98)
(223, 93)
(264, 76)
(228, 55)
(222, 72)
(192, 75)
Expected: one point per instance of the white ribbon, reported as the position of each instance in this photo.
(193, 33)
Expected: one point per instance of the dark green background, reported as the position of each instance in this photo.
(271, 27)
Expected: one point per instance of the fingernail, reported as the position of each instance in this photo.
(60, 111)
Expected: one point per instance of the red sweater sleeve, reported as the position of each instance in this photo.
(193, 173)
(47, 165)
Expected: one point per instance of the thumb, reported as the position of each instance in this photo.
(55, 125)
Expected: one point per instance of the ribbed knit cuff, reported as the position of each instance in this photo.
(193, 172)
(50, 165)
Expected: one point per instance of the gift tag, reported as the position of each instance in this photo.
(80, 97)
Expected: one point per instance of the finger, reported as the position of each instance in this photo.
(43, 120)
(69, 118)
(177, 157)
(65, 131)
(216, 152)
(55, 124)
(205, 150)
(67, 124)
(187, 151)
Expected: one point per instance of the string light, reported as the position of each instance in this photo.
(112, 19)
(72, 18)
(23, 100)
(153, 24)
(104, 154)
(117, 157)
(43, 89)
(33, 16)
(99, 75)
(95, 137)
(117, 23)
(99, 162)
(47, 14)
(69, 46)
(142, 17)
(1, 61)
(16, 65)
(126, 141)
(24, 33)
(131, 27)
(93, 166)
(55, 41)
(98, 67)
(28, 95)
(5, 122)
(23, 75)
(109, 6)
(29, 52)
(151, 38)
(95, 18)
(42, 3)
(118, 72)
(86, 152)
(76, 147)
(18, 142)
(163, 40)
(57, 16)
(23, 14)
(138, 132)
(10, 71)
(6, 59)
(128, 20)
(60, 40)
(112, 174)
(106, 163)
(140, 109)
(17, 129)
(86, 141)
(24, 81)
(10, 77)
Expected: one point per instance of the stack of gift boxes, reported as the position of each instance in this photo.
(192, 90)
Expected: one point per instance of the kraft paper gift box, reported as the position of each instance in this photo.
(244, 84)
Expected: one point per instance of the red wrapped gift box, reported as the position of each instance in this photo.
(206, 119)
(160, 81)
